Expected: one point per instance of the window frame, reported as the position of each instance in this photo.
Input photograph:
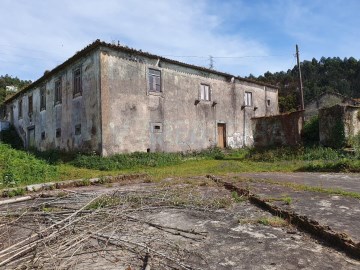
(153, 79)
(43, 98)
(30, 105)
(202, 94)
(77, 82)
(247, 102)
(20, 109)
(58, 91)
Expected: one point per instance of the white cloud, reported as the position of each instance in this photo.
(39, 35)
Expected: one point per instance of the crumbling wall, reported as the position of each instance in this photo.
(338, 125)
(278, 130)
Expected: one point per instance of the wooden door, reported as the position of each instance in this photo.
(221, 129)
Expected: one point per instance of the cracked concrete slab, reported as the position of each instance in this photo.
(234, 239)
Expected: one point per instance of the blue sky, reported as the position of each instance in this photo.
(243, 36)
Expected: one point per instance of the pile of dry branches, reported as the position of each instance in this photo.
(100, 231)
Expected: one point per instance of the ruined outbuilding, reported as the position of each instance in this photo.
(338, 125)
(112, 99)
(326, 100)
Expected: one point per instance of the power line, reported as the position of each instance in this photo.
(244, 56)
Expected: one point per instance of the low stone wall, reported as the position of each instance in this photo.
(278, 130)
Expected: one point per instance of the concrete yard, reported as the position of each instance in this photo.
(191, 223)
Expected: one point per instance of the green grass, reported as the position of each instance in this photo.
(19, 168)
(301, 187)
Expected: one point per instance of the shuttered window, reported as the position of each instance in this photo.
(42, 98)
(248, 99)
(154, 80)
(77, 87)
(58, 91)
(204, 92)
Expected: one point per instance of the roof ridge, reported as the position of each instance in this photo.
(97, 43)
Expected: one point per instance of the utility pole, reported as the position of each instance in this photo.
(300, 79)
(211, 60)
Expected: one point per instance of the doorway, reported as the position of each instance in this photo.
(31, 138)
(221, 132)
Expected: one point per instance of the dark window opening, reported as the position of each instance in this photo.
(78, 129)
(268, 102)
(77, 87)
(20, 108)
(156, 127)
(30, 103)
(58, 132)
(154, 80)
(148, 150)
(43, 135)
(42, 98)
(58, 91)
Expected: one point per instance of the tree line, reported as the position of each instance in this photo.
(328, 74)
(7, 80)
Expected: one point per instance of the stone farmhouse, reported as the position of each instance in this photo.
(113, 99)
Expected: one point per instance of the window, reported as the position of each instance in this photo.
(204, 92)
(77, 87)
(42, 98)
(58, 133)
(268, 102)
(156, 127)
(248, 99)
(154, 80)
(58, 91)
(30, 103)
(20, 108)
(78, 129)
(43, 135)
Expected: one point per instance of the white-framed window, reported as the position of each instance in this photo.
(248, 99)
(204, 92)
(154, 80)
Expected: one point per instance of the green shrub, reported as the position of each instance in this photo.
(311, 131)
(295, 153)
(142, 159)
(20, 167)
(11, 137)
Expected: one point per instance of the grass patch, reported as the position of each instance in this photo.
(238, 198)
(273, 221)
(267, 221)
(20, 167)
(300, 187)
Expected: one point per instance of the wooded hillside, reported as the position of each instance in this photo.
(6, 80)
(328, 74)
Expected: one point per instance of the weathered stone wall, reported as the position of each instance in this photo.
(72, 111)
(278, 130)
(338, 125)
(130, 111)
